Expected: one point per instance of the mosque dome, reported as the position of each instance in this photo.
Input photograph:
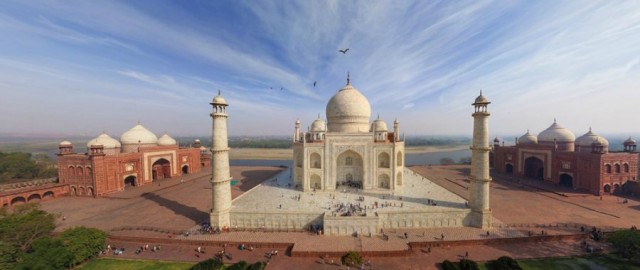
(528, 138)
(218, 100)
(166, 140)
(589, 138)
(496, 140)
(203, 149)
(105, 140)
(65, 143)
(379, 125)
(348, 111)
(138, 134)
(556, 133)
(318, 125)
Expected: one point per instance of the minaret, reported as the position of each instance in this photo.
(479, 178)
(296, 135)
(396, 130)
(220, 179)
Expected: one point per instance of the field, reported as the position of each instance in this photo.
(108, 264)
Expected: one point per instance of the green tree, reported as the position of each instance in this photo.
(466, 264)
(241, 265)
(352, 258)
(8, 255)
(46, 253)
(17, 165)
(257, 266)
(210, 264)
(503, 263)
(24, 225)
(627, 242)
(83, 243)
(448, 265)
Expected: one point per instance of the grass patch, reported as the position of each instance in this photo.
(598, 262)
(109, 264)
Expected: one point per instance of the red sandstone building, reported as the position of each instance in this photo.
(556, 156)
(137, 159)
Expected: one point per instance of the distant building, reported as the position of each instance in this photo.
(585, 163)
(139, 158)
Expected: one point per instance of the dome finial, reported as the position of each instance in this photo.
(378, 116)
(481, 92)
(218, 92)
(589, 129)
(554, 120)
(318, 115)
(348, 78)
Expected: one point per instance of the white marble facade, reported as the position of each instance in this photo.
(348, 149)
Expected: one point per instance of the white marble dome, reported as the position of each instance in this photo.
(105, 140)
(65, 143)
(556, 133)
(166, 140)
(348, 111)
(528, 138)
(589, 138)
(318, 125)
(219, 100)
(138, 134)
(379, 125)
(630, 141)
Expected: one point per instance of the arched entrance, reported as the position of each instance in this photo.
(130, 181)
(47, 195)
(18, 200)
(349, 169)
(508, 168)
(80, 191)
(383, 181)
(534, 168)
(315, 182)
(607, 188)
(617, 189)
(185, 169)
(90, 191)
(73, 191)
(34, 197)
(161, 169)
(566, 180)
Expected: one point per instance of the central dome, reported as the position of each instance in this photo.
(138, 135)
(556, 133)
(348, 111)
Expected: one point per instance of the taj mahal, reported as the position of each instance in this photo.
(348, 177)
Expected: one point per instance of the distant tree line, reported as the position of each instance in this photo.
(18, 165)
(436, 141)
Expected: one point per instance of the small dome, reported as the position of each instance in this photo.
(203, 149)
(298, 121)
(348, 111)
(379, 125)
(218, 100)
(528, 138)
(630, 141)
(589, 138)
(138, 134)
(65, 143)
(556, 133)
(318, 125)
(481, 99)
(105, 140)
(166, 140)
(496, 140)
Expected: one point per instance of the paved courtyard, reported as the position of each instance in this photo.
(519, 207)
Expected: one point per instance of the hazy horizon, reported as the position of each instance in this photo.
(76, 67)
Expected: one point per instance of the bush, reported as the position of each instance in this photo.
(257, 266)
(210, 264)
(448, 265)
(352, 258)
(466, 264)
(83, 243)
(627, 243)
(241, 265)
(503, 263)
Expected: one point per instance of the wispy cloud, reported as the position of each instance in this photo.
(420, 61)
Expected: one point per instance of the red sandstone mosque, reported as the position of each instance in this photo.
(556, 156)
(139, 158)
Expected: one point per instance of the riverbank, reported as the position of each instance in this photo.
(286, 154)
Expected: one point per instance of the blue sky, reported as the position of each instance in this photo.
(80, 67)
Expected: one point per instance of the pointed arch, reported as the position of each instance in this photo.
(399, 159)
(384, 160)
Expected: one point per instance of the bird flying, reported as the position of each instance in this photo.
(344, 51)
(314, 84)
